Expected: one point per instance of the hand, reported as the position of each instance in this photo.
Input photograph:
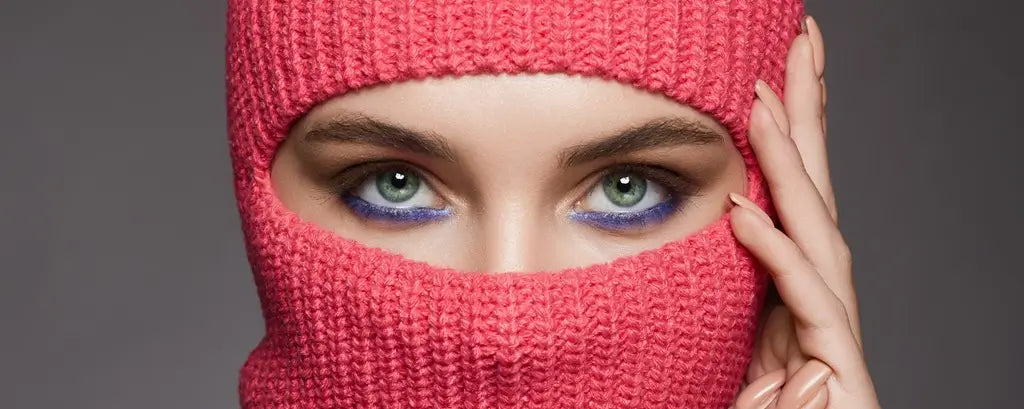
(809, 353)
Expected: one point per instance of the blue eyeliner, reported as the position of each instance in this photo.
(371, 211)
(626, 220)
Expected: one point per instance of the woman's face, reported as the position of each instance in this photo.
(508, 173)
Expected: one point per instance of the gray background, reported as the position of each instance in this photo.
(125, 280)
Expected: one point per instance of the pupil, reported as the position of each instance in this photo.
(397, 186)
(624, 189)
(624, 185)
(398, 180)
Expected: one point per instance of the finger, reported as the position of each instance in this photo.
(802, 99)
(772, 351)
(819, 401)
(818, 42)
(796, 357)
(800, 207)
(824, 134)
(771, 356)
(756, 368)
(806, 388)
(824, 104)
(768, 96)
(840, 282)
(821, 322)
(761, 391)
(802, 210)
(818, 47)
(804, 108)
(799, 285)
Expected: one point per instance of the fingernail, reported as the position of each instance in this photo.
(803, 24)
(760, 393)
(745, 203)
(820, 399)
(803, 387)
(817, 44)
(768, 401)
(760, 87)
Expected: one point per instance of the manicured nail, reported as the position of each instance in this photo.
(817, 43)
(761, 88)
(803, 387)
(769, 401)
(819, 401)
(745, 203)
(763, 92)
(760, 393)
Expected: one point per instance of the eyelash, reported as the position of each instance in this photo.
(680, 188)
(352, 177)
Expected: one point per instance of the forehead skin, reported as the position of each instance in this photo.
(535, 112)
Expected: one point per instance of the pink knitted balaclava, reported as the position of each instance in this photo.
(348, 326)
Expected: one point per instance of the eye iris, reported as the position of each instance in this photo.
(624, 190)
(397, 186)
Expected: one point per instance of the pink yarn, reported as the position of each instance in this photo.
(349, 326)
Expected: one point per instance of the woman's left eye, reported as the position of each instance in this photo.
(396, 188)
(624, 200)
(396, 195)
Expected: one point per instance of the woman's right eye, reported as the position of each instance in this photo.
(397, 195)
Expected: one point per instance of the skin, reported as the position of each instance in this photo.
(511, 198)
(510, 195)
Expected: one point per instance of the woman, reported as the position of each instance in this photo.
(530, 204)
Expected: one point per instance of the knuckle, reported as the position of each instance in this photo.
(834, 317)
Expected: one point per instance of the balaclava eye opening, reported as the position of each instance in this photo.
(349, 326)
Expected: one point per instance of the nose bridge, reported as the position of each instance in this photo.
(513, 211)
(506, 233)
(511, 236)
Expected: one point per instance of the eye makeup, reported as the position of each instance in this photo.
(678, 189)
(626, 220)
(354, 187)
(403, 215)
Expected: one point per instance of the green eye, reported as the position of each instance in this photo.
(624, 189)
(397, 186)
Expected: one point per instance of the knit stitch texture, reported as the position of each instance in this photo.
(348, 326)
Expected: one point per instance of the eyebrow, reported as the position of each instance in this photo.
(655, 133)
(363, 129)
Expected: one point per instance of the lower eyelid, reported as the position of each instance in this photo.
(371, 211)
(624, 221)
